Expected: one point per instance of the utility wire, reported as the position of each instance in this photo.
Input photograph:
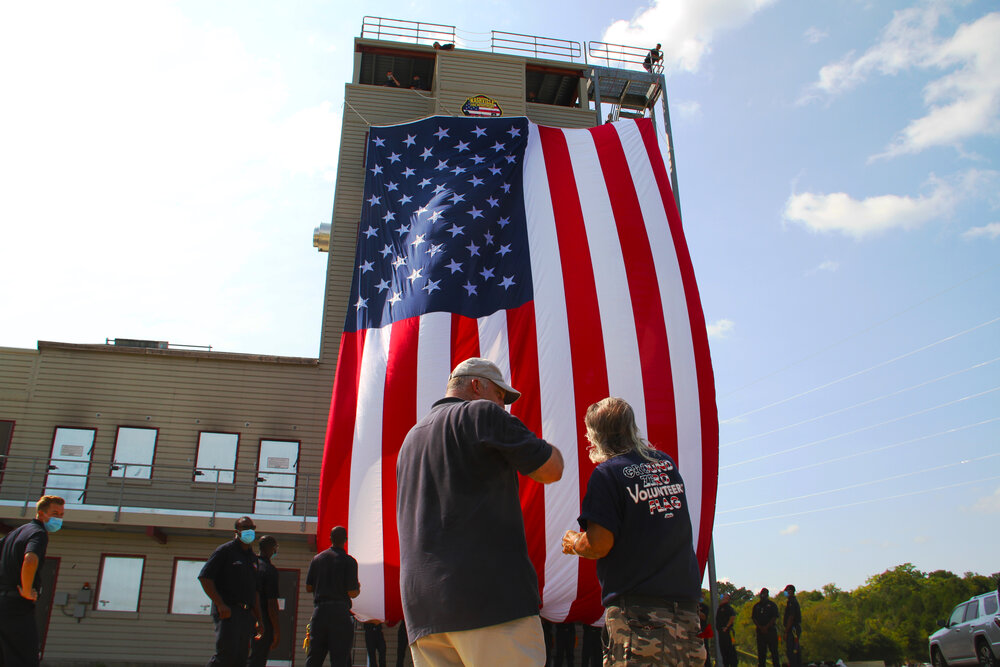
(862, 453)
(863, 403)
(861, 332)
(860, 484)
(866, 370)
(855, 504)
(863, 428)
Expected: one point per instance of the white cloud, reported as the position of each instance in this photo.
(988, 504)
(814, 35)
(838, 212)
(686, 28)
(720, 329)
(906, 41)
(990, 231)
(687, 109)
(964, 103)
(828, 266)
(961, 104)
(790, 530)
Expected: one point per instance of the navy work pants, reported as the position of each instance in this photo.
(232, 638)
(331, 632)
(767, 641)
(375, 645)
(261, 648)
(792, 648)
(18, 632)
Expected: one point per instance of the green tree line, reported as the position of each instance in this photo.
(888, 618)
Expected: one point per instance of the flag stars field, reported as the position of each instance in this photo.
(421, 251)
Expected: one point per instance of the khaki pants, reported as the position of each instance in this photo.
(518, 642)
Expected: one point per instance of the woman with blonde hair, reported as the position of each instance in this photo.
(634, 521)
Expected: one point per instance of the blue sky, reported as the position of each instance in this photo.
(164, 165)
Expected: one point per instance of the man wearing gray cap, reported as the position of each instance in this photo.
(469, 591)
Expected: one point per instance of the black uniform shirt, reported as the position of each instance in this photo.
(723, 614)
(267, 585)
(792, 609)
(331, 574)
(763, 612)
(233, 569)
(29, 538)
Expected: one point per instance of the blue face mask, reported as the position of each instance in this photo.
(246, 536)
(53, 524)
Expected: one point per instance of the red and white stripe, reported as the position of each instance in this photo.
(615, 312)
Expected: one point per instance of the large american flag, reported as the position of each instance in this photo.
(559, 255)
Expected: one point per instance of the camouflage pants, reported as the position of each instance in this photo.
(640, 635)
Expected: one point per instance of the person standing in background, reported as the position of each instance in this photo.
(725, 617)
(793, 627)
(267, 589)
(765, 615)
(333, 581)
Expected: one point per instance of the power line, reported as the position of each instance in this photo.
(860, 502)
(862, 453)
(860, 484)
(859, 430)
(859, 333)
(863, 403)
(866, 370)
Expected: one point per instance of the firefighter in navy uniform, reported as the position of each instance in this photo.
(21, 560)
(229, 579)
(333, 580)
(267, 589)
(725, 617)
(765, 615)
(793, 627)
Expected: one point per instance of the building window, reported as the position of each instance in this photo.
(186, 594)
(216, 460)
(134, 450)
(69, 464)
(277, 470)
(119, 583)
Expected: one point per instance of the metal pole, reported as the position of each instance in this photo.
(597, 95)
(713, 594)
(670, 144)
(27, 489)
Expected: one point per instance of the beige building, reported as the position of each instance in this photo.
(158, 450)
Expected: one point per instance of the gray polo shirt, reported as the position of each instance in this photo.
(463, 556)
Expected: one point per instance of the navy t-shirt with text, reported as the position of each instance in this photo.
(643, 504)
